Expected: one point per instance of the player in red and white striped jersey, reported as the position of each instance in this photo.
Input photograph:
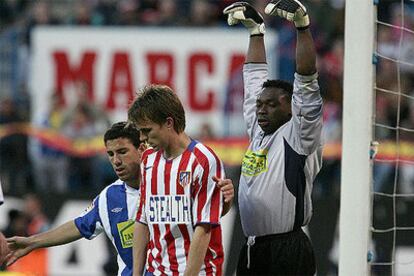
(180, 206)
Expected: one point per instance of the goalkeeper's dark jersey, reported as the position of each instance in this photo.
(278, 169)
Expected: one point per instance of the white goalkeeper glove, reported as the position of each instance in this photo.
(243, 12)
(292, 10)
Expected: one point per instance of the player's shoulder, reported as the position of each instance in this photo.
(204, 153)
(147, 152)
(113, 188)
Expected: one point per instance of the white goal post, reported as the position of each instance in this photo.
(356, 171)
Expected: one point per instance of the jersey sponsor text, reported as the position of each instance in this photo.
(166, 209)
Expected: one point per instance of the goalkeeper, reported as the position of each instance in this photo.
(284, 124)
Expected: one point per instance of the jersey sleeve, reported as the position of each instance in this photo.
(89, 222)
(141, 217)
(207, 205)
(306, 123)
(254, 75)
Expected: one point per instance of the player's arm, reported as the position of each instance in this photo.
(242, 12)
(139, 249)
(305, 53)
(227, 189)
(306, 100)
(141, 235)
(21, 246)
(198, 249)
(255, 69)
(295, 11)
(206, 212)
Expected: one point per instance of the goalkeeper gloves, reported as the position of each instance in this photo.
(243, 12)
(292, 10)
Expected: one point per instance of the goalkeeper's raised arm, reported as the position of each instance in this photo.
(294, 11)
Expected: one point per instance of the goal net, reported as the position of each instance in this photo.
(377, 191)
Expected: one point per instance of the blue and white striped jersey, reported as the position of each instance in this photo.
(278, 169)
(113, 211)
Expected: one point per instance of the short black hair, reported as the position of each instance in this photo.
(285, 86)
(123, 130)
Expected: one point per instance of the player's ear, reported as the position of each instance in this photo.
(285, 103)
(169, 123)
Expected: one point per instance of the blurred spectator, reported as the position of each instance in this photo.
(81, 169)
(386, 44)
(37, 220)
(30, 221)
(50, 164)
(407, 167)
(206, 132)
(10, 11)
(328, 180)
(105, 12)
(83, 100)
(84, 119)
(331, 69)
(16, 225)
(14, 162)
(82, 15)
(39, 15)
(169, 14)
(203, 14)
(128, 13)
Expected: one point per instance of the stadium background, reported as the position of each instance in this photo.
(69, 68)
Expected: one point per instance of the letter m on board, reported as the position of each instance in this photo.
(68, 71)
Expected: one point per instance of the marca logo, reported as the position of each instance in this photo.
(184, 178)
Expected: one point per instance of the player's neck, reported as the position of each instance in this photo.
(133, 183)
(177, 145)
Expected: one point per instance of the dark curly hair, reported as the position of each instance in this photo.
(123, 130)
(284, 86)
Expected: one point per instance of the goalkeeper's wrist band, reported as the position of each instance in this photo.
(302, 28)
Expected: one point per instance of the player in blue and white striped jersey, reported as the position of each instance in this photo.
(114, 210)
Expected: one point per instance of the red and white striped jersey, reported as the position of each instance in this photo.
(176, 196)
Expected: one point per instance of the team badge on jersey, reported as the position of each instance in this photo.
(184, 178)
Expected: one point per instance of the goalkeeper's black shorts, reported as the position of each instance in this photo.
(279, 254)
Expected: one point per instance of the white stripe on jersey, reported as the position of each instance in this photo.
(103, 213)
